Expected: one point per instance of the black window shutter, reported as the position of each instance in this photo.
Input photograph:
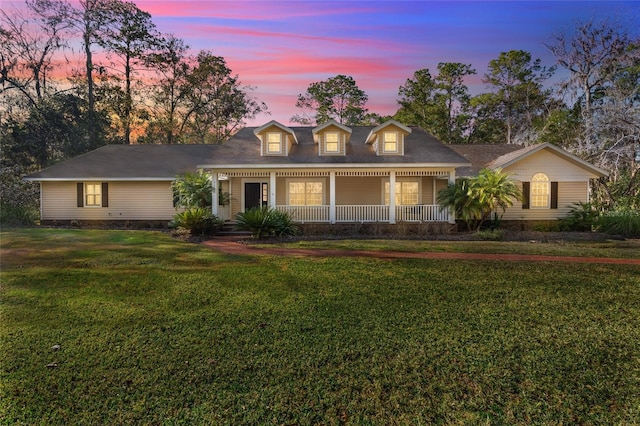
(105, 194)
(80, 189)
(554, 195)
(526, 187)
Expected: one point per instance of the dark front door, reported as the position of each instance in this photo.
(255, 195)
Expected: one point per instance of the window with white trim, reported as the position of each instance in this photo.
(407, 193)
(93, 194)
(274, 143)
(305, 193)
(331, 142)
(540, 191)
(390, 142)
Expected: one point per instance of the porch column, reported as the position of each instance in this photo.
(392, 197)
(452, 180)
(434, 187)
(214, 193)
(332, 197)
(272, 190)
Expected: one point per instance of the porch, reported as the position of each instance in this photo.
(338, 197)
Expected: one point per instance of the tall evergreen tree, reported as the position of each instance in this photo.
(338, 98)
(131, 38)
(519, 96)
(439, 104)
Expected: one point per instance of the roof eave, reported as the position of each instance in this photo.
(278, 125)
(101, 179)
(334, 165)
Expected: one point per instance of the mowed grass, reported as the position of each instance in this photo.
(614, 248)
(157, 331)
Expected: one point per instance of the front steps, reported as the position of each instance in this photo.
(229, 230)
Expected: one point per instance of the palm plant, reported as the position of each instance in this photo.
(266, 222)
(459, 197)
(192, 190)
(495, 190)
(473, 200)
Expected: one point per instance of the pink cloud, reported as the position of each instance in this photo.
(250, 10)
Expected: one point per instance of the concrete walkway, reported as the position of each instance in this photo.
(236, 246)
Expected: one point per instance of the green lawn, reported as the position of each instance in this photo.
(158, 331)
(607, 248)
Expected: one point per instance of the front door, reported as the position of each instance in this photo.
(255, 195)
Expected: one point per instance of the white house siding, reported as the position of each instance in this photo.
(568, 194)
(555, 167)
(573, 184)
(127, 201)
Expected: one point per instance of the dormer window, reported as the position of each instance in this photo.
(275, 139)
(331, 142)
(332, 138)
(388, 138)
(390, 142)
(274, 143)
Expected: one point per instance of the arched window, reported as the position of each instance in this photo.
(540, 191)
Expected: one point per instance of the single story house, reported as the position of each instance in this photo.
(330, 173)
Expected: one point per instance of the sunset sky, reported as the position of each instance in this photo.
(280, 47)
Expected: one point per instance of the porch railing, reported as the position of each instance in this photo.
(304, 214)
(366, 213)
(422, 213)
(374, 213)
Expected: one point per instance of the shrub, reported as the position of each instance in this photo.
(625, 223)
(581, 217)
(18, 199)
(11, 215)
(265, 222)
(196, 220)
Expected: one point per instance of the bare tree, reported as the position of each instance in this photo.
(28, 43)
(604, 65)
(592, 54)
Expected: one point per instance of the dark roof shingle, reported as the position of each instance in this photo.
(164, 162)
(420, 147)
(481, 156)
(122, 162)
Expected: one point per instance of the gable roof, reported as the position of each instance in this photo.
(376, 129)
(282, 127)
(508, 159)
(421, 149)
(128, 162)
(504, 155)
(331, 123)
(480, 156)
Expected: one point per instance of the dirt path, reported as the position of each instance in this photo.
(234, 246)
